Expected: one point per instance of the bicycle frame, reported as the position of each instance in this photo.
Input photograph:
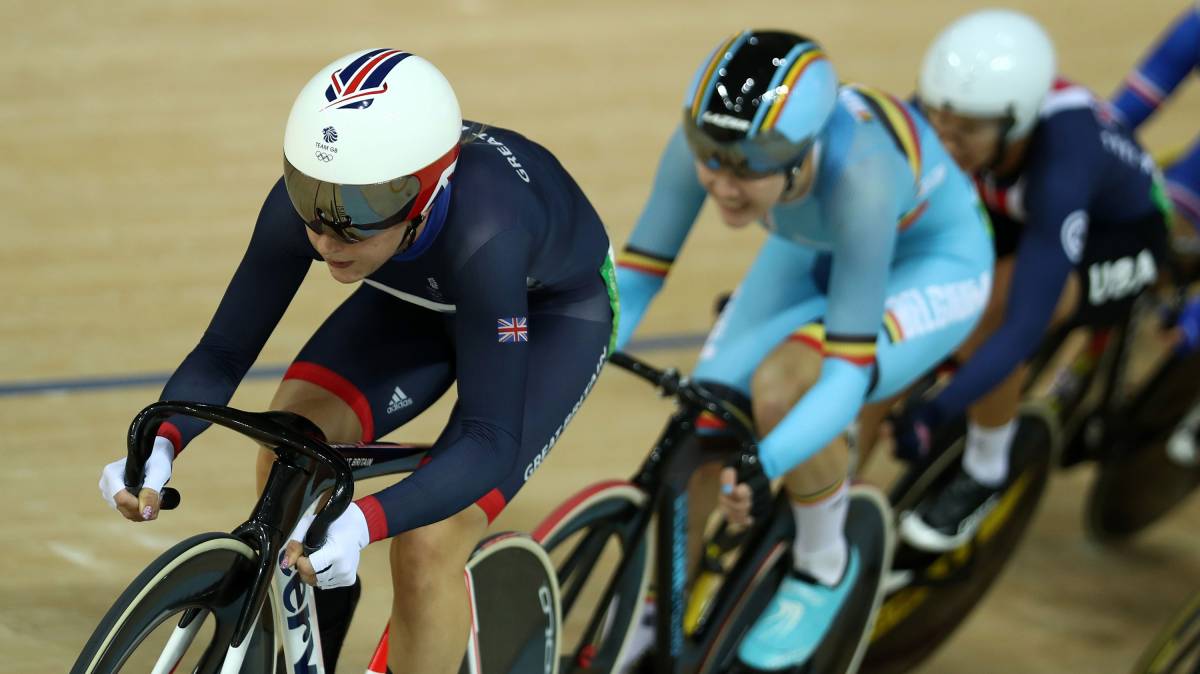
(664, 477)
(305, 469)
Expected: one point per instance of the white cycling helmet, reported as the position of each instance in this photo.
(991, 63)
(370, 142)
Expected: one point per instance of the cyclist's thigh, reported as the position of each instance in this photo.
(934, 301)
(790, 368)
(567, 348)
(372, 366)
(779, 294)
(441, 547)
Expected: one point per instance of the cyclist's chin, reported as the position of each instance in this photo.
(970, 162)
(739, 218)
(352, 273)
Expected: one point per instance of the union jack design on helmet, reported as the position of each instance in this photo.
(356, 85)
(372, 141)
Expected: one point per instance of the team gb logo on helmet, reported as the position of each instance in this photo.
(357, 85)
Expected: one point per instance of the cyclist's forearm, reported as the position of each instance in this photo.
(457, 476)
(658, 235)
(209, 374)
(1175, 55)
(637, 289)
(261, 289)
(1039, 276)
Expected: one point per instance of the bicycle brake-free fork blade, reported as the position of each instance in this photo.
(181, 639)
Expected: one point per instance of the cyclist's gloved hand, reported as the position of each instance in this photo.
(1188, 324)
(144, 506)
(745, 490)
(335, 564)
(912, 431)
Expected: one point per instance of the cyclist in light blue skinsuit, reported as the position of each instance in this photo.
(877, 267)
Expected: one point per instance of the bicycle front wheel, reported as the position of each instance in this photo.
(179, 614)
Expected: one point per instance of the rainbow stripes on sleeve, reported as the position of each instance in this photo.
(645, 262)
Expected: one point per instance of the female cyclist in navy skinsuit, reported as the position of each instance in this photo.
(481, 264)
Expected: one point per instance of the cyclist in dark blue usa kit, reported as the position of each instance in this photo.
(482, 263)
(1079, 216)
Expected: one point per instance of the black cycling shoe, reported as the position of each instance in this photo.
(947, 519)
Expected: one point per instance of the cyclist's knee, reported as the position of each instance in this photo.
(424, 559)
(780, 381)
(330, 413)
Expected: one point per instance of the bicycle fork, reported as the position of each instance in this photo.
(181, 639)
(296, 619)
(297, 623)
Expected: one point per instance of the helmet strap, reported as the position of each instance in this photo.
(410, 233)
(792, 187)
(789, 179)
(1002, 144)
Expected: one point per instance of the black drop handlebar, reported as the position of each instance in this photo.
(264, 427)
(267, 428)
(696, 398)
(690, 394)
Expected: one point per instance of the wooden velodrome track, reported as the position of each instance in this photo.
(140, 138)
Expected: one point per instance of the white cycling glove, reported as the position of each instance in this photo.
(336, 562)
(158, 472)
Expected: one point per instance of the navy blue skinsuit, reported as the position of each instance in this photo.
(508, 292)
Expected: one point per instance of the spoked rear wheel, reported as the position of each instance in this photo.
(1134, 489)
(178, 615)
(1176, 650)
(930, 594)
(1138, 483)
(586, 538)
